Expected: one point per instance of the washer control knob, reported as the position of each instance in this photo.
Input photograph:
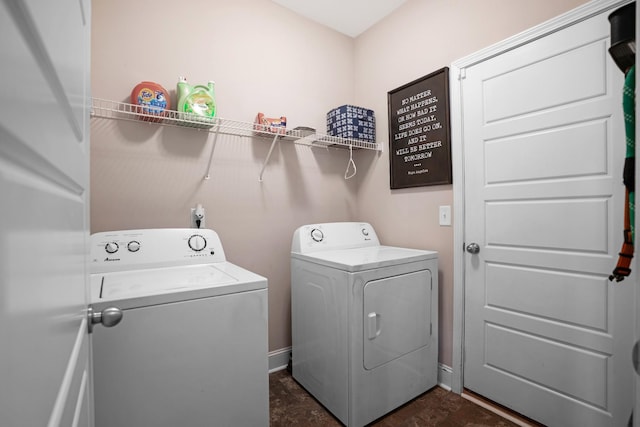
(133, 246)
(317, 235)
(365, 232)
(111, 247)
(197, 242)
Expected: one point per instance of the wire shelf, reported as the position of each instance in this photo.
(107, 109)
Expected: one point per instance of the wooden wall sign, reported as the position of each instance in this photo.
(419, 132)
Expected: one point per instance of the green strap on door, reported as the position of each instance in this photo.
(629, 107)
(622, 269)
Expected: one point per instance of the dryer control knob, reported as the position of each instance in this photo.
(317, 235)
(111, 247)
(133, 246)
(197, 242)
(365, 232)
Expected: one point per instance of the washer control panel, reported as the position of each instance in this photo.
(333, 235)
(149, 248)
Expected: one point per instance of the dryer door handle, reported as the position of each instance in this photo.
(373, 325)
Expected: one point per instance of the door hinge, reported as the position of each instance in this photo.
(463, 74)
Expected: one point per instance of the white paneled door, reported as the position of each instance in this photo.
(44, 177)
(546, 333)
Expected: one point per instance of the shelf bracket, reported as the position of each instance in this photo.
(264, 165)
(213, 147)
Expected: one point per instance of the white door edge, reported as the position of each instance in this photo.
(65, 387)
(574, 16)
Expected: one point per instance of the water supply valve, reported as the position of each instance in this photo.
(197, 216)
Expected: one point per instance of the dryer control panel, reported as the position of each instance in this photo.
(149, 248)
(333, 235)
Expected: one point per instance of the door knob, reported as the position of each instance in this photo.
(473, 248)
(108, 317)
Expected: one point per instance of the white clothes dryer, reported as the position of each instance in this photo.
(191, 349)
(364, 320)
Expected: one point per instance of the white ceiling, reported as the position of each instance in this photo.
(350, 17)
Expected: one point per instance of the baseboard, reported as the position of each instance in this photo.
(498, 410)
(279, 359)
(445, 374)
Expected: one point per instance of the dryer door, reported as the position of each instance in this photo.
(397, 317)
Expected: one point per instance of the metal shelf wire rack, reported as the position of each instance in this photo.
(107, 109)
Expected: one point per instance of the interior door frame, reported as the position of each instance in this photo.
(457, 74)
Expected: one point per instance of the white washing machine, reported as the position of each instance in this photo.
(364, 320)
(191, 349)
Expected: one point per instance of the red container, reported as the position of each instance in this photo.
(152, 101)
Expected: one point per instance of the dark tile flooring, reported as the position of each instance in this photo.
(291, 405)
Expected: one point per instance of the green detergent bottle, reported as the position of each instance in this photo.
(198, 101)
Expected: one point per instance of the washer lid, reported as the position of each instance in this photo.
(137, 288)
(367, 258)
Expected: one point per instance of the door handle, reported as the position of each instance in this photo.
(108, 317)
(473, 248)
(373, 326)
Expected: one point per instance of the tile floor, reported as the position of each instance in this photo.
(291, 405)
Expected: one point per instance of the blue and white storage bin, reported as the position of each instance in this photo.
(349, 121)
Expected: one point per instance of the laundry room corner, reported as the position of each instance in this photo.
(320, 213)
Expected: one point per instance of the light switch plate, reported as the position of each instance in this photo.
(445, 215)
